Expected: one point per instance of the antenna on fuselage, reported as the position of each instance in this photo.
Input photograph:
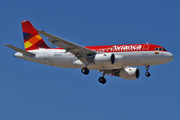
(146, 42)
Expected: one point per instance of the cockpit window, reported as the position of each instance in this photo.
(161, 49)
(164, 50)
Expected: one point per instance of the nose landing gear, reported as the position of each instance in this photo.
(147, 73)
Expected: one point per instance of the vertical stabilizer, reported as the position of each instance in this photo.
(32, 39)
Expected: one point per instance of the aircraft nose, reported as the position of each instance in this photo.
(170, 56)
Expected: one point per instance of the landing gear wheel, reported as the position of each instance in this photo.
(147, 69)
(102, 80)
(85, 71)
(147, 74)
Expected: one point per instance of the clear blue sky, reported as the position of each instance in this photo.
(32, 91)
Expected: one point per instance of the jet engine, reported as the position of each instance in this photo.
(103, 59)
(128, 73)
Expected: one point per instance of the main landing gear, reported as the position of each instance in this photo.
(102, 80)
(147, 73)
(85, 71)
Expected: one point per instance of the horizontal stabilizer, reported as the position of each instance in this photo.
(21, 50)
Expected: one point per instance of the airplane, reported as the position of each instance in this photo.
(114, 60)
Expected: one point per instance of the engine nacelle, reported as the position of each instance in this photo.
(103, 59)
(129, 73)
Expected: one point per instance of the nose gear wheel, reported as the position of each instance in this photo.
(147, 69)
(147, 74)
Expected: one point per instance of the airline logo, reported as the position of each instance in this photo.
(31, 40)
(125, 48)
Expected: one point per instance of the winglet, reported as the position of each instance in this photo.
(21, 50)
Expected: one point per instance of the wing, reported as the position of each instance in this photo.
(79, 51)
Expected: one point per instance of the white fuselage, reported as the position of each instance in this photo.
(61, 58)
